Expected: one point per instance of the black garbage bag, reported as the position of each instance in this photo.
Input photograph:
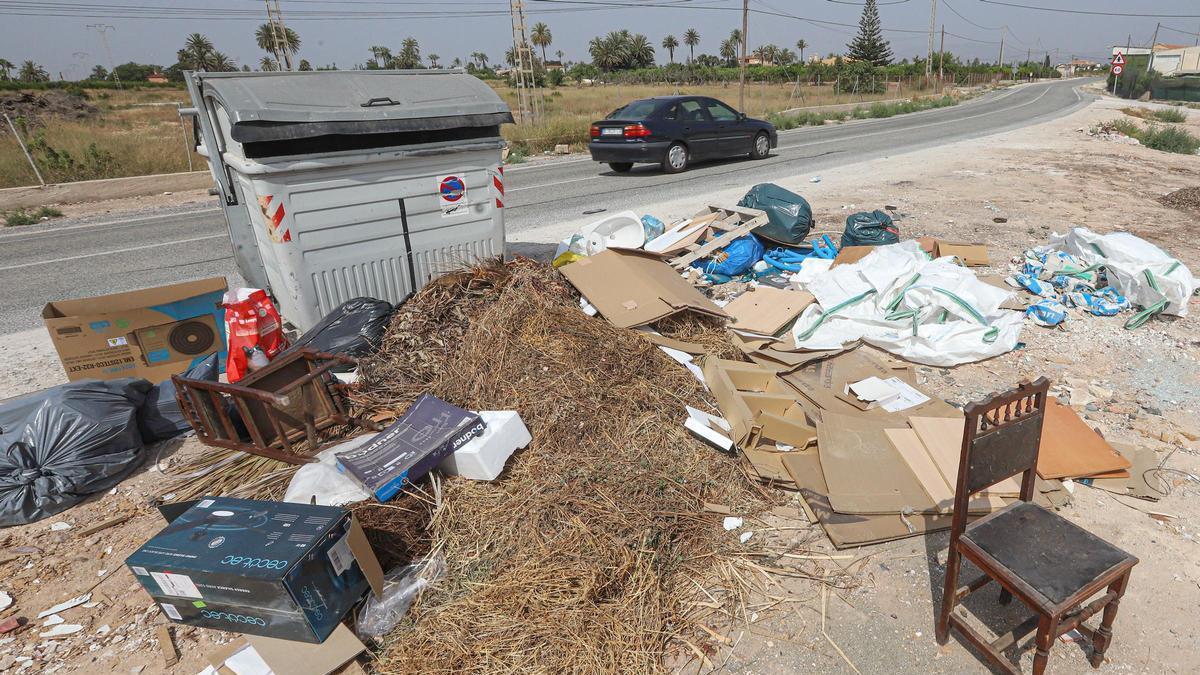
(160, 418)
(873, 228)
(354, 328)
(789, 213)
(60, 445)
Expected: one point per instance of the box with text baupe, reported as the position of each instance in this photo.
(276, 569)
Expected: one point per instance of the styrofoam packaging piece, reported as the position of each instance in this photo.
(483, 457)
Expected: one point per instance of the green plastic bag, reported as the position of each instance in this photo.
(873, 228)
(789, 213)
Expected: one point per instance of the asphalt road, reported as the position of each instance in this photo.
(65, 260)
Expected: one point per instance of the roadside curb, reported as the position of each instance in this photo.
(104, 189)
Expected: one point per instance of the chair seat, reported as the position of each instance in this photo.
(1054, 556)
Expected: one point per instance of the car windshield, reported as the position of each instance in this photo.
(638, 110)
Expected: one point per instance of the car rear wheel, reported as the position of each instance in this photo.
(676, 159)
(761, 147)
(620, 167)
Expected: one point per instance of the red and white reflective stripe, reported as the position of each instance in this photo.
(499, 185)
(274, 220)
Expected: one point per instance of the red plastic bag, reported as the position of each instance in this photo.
(251, 321)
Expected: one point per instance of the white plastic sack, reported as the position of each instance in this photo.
(944, 316)
(1127, 259)
(322, 481)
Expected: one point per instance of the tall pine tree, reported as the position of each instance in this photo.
(869, 45)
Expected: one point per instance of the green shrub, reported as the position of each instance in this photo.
(1170, 139)
(517, 155)
(1170, 115)
(1126, 127)
(22, 217)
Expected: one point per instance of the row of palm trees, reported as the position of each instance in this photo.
(27, 72)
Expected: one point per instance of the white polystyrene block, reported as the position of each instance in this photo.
(483, 457)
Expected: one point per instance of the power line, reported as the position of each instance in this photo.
(1092, 12)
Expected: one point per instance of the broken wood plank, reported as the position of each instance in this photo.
(167, 644)
(105, 524)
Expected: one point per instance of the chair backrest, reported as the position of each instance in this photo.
(1002, 437)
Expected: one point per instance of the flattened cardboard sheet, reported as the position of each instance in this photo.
(767, 310)
(920, 460)
(864, 473)
(942, 438)
(631, 288)
(1071, 449)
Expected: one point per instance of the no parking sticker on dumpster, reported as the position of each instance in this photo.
(452, 194)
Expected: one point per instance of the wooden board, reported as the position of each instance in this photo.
(1070, 448)
(943, 437)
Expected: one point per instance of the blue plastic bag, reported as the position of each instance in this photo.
(1047, 312)
(737, 257)
(653, 227)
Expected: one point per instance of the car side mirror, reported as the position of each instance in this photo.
(742, 116)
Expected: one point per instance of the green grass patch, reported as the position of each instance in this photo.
(1169, 139)
(22, 217)
(1172, 115)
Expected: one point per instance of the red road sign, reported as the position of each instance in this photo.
(1117, 70)
(1119, 59)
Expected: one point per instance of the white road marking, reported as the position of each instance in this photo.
(53, 232)
(114, 252)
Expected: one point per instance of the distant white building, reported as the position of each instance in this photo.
(1185, 61)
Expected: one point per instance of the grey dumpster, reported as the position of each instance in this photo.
(340, 184)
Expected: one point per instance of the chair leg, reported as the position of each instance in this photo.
(1103, 636)
(1047, 627)
(1005, 596)
(953, 563)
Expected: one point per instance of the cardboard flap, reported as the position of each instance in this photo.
(299, 658)
(864, 473)
(971, 255)
(792, 432)
(129, 300)
(365, 555)
(632, 288)
(767, 310)
(1070, 448)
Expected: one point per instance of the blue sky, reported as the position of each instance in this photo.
(63, 44)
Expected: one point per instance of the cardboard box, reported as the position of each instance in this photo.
(152, 333)
(255, 653)
(632, 288)
(427, 433)
(275, 569)
(757, 405)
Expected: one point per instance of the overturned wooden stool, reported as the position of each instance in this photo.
(289, 401)
(1051, 564)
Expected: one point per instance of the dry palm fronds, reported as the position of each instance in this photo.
(586, 553)
(705, 331)
(228, 473)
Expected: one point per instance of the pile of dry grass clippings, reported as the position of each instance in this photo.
(590, 551)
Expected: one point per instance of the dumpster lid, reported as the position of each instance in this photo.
(270, 106)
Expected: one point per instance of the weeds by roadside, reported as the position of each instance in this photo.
(23, 217)
(875, 110)
(1170, 115)
(1155, 136)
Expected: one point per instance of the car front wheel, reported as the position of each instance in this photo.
(761, 147)
(620, 167)
(676, 159)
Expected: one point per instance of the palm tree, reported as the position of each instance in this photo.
(32, 72)
(669, 43)
(410, 54)
(433, 59)
(6, 66)
(268, 64)
(691, 38)
(801, 44)
(304, 65)
(197, 53)
(268, 33)
(456, 63)
(641, 52)
(222, 63)
(785, 57)
(729, 51)
(381, 54)
(481, 58)
(510, 57)
(540, 36)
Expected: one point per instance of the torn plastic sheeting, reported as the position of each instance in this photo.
(1128, 259)
(402, 586)
(927, 311)
(321, 483)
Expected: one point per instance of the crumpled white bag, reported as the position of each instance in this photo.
(1127, 258)
(954, 310)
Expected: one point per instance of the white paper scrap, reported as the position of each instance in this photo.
(247, 661)
(908, 398)
(684, 359)
(73, 602)
(732, 523)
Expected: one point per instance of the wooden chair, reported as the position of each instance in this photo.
(1051, 564)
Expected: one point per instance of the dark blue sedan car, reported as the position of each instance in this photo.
(675, 131)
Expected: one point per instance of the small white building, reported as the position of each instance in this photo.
(1184, 61)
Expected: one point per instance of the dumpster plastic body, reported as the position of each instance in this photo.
(337, 185)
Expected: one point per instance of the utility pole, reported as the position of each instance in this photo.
(287, 52)
(1003, 31)
(274, 35)
(1153, 41)
(102, 29)
(941, 57)
(932, 26)
(742, 64)
(528, 100)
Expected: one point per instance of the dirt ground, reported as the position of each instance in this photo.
(1042, 179)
